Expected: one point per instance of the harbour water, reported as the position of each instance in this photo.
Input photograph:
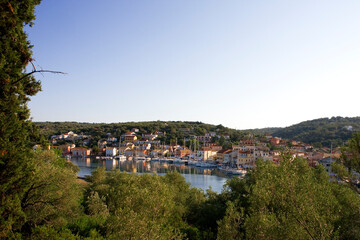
(197, 177)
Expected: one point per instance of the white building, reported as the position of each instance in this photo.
(110, 151)
(206, 154)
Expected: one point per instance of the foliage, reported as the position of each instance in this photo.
(229, 226)
(128, 206)
(347, 168)
(53, 195)
(17, 133)
(320, 132)
(290, 201)
(351, 154)
(173, 129)
(323, 131)
(40, 196)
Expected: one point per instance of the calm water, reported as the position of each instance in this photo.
(197, 177)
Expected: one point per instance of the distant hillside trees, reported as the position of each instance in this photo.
(322, 132)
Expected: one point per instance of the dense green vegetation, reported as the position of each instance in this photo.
(290, 201)
(17, 133)
(323, 131)
(41, 198)
(175, 130)
(320, 132)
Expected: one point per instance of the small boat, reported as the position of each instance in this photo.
(205, 165)
(241, 172)
(192, 163)
(121, 158)
(179, 161)
(139, 158)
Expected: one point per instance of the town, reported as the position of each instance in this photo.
(210, 150)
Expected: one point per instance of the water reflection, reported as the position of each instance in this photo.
(198, 177)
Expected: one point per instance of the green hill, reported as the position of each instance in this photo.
(174, 129)
(322, 131)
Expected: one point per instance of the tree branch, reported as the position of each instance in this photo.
(37, 71)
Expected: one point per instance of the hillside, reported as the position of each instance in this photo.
(322, 131)
(174, 129)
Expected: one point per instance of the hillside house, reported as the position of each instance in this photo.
(129, 137)
(80, 152)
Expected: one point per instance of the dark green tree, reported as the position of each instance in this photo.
(351, 154)
(17, 132)
(290, 201)
(348, 165)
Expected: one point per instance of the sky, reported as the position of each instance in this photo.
(242, 64)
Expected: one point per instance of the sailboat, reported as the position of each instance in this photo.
(121, 158)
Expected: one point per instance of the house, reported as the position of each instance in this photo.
(205, 139)
(220, 155)
(66, 135)
(227, 137)
(247, 142)
(275, 141)
(265, 155)
(244, 157)
(160, 134)
(135, 130)
(112, 139)
(110, 151)
(268, 136)
(102, 143)
(206, 153)
(182, 152)
(80, 152)
(213, 146)
(239, 147)
(315, 156)
(213, 134)
(129, 137)
(149, 136)
(228, 156)
(65, 149)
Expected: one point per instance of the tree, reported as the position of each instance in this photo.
(53, 197)
(290, 201)
(134, 206)
(229, 226)
(222, 140)
(349, 163)
(17, 132)
(351, 154)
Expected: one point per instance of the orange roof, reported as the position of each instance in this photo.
(80, 148)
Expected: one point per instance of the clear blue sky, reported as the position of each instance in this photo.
(243, 64)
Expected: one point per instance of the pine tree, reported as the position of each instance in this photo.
(16, 129)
